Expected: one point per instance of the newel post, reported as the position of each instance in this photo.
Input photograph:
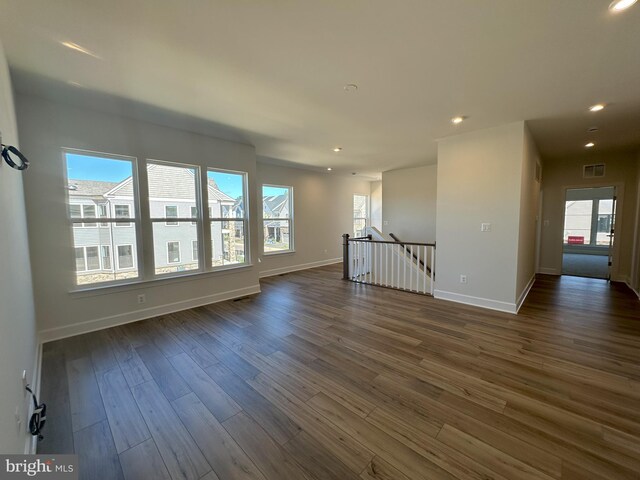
(345, 256)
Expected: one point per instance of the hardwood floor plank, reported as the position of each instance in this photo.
(397, 454)
(168, 380)
(181, 455)
(265, 452)
(219, 403)
(222, 452)
(316, 460)
(58, 437)
(344, 447)
(143, 461)
(268, 415)
(97, 457)
(132, 366)
(84, 396)
(127, 426)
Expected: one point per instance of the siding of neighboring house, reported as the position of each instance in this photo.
(165, 190)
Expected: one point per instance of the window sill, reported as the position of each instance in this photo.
(284, 252)
(95, 290)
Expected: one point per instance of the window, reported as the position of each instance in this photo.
(105, 252)
(98, 185)
(187, 208)
(171, 211)
(194, 214)
(173, 252)
(360, 214)
(103, 208)
(277, 218)
(87, 259)
(227, 218)
(194, 250)
(173, 188)
(122, 211)
(125, 256)
(89, 211)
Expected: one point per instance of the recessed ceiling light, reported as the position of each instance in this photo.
(597, 107)
(458, 120)
(592, 129)
(350, 87)
(79, 48)
(337, 149)
(590, 145)
(75, 84)
(329, 168)
(620, 5)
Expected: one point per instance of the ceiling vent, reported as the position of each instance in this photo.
(593, 171)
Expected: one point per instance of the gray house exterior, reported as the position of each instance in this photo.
(107, 251)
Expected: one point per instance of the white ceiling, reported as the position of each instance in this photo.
(272, 72)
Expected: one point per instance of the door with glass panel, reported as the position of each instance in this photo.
(588, 237)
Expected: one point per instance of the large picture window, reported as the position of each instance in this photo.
(196, 220)
(227, 193)
(277, 219)
(100, 187)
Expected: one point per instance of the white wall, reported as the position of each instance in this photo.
(621, 171)
(376, 204)
(409, 203)
(480, 181)
(529, 196)
(47, 127)
(17, 319)
(323, 211)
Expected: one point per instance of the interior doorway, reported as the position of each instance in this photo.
(589, 219)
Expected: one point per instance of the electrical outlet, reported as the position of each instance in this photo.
(485, 227)
(463, 279)
(142, 298)
(24, 378)
(386, 222)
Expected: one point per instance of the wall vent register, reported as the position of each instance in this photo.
(593, 171)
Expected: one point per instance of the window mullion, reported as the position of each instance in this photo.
(145, 259)
(205, 250)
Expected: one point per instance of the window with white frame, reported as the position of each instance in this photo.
(194, 250)
(171, 211)
(173, 252)
(173, 188)
(360, 215)
(98, 187)
(277, 219)
(227, 194)
(125, 257)
(122, 211)
(103, 191)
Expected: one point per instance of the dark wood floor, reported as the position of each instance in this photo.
(317, 378)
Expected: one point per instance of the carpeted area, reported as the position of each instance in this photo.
(595, 266)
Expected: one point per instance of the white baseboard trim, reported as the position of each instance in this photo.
(294, 268)
(58, 333)
(525, 292)
(637, 292)
(476, 301)
(549, 271)
(31, 443)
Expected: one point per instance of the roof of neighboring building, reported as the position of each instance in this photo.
(275, 204)
(161, 186)
(89, 188)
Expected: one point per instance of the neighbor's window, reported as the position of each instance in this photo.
(97, 185)
(360, 215)
(227, 217)
(277, 219)
(173, 188)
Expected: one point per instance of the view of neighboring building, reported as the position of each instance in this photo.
(276, 218)
(107, 250)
